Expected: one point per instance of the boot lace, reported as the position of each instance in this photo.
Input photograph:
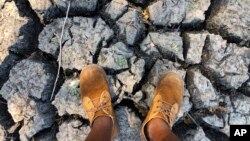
(165, 109)
(104, 105)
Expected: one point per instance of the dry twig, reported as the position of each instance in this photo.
(60, 52)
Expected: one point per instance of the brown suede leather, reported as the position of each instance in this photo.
(167, 100)
(95, 95)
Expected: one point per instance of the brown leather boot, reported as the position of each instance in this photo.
(167, 100)
(95, 95)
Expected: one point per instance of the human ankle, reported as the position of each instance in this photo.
(156, 129)
(103, 122)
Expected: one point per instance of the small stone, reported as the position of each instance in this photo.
(131, 26)
(73, 130)
(214, 120)
(168, 44)
(203, 95)
(195, 11)
(194, 43)
(116, 8)
(167, 12)
(116, 57)
(68, 101)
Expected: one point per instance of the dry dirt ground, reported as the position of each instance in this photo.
(206, 41)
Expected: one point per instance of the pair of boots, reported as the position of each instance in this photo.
(96, 99)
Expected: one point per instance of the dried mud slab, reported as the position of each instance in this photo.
(206, 62)
(18, 35)
(168, 44)
(195, 11)
(203, 94)
(167, 12)
(67, 101)
(26, 92)
(230, 19)
(12, 27)
(131, 26)
(133, 76)
(236, 112)
(115, 57)
(73, 130)
(82, 38)
(123, 84)
(47, 9)
(116, 8)
(241, 110)
(6, 65)
(129, 124)
(228, 63)
(194, 43)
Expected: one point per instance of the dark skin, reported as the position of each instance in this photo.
(155, 130)
(101, 129)
(158, 130)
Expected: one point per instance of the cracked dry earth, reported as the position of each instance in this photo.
(135, 41)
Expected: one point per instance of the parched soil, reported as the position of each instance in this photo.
(207, 42)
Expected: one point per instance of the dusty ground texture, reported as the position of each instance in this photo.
(136, 41)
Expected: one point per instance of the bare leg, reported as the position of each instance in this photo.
(158, 130)
(101, 130)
